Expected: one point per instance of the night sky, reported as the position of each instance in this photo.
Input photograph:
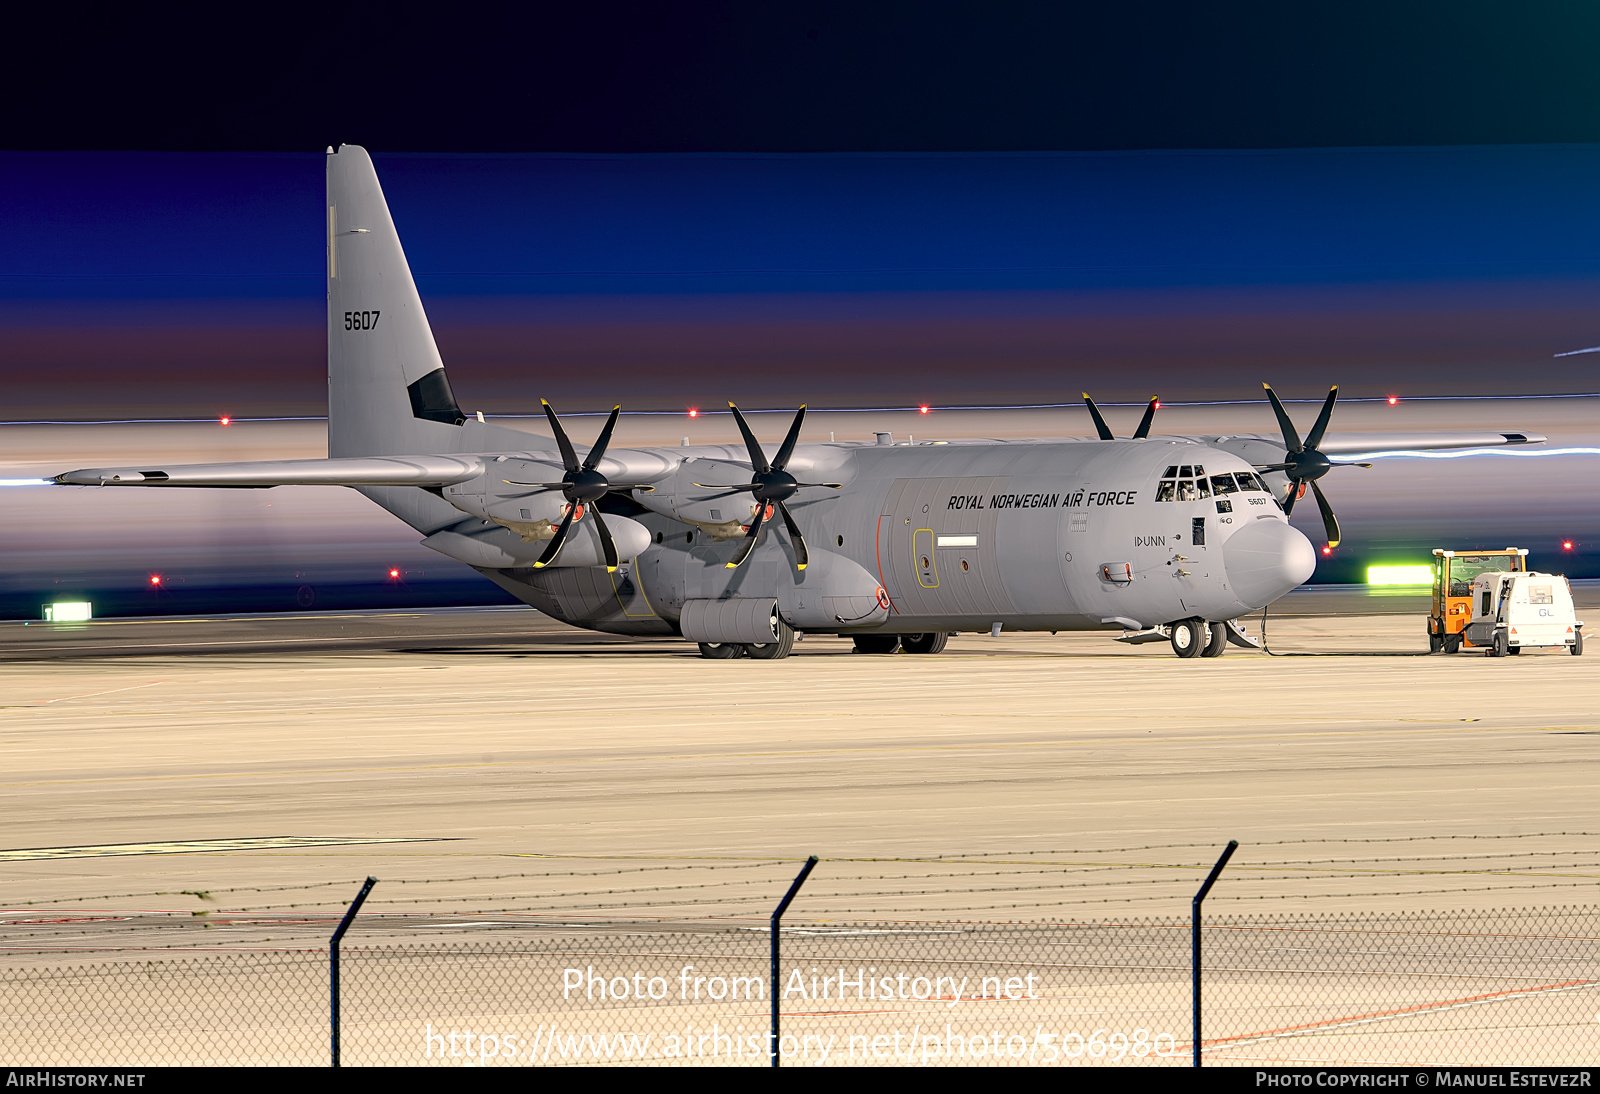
(810, 76)
(854, 204)
(189, 285)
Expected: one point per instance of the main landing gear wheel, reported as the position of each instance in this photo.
(1188, 637)
(721, 651)
(924, 643)
(1217, 640)
(877, 643)
(771, 651)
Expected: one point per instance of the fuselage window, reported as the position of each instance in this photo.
(1186, 490)
(1185, 472)
(1202, 485)
(1167, 490)
(1222, 484)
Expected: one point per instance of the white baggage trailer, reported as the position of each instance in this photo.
(1512, 612)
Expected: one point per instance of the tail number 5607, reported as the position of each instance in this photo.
(361, 320)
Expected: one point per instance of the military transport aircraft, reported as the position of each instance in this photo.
(897, 545)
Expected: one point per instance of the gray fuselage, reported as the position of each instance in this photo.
(1064, 535)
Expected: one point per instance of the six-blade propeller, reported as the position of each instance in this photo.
(772, 485)
(583, 485)
(1105, 431)
(1304, 462)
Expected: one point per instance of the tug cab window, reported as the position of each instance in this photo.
(1464, 569)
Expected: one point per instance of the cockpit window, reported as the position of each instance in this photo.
(1189, 482)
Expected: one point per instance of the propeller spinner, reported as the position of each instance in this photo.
(772, 485)
(1304, 462)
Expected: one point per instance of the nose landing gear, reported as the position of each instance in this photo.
(1198, 638)
(1188, 637)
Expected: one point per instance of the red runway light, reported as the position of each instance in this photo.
(394, 573)
(155, 579)
(923, 409)
(1566, 545)
(694, 412)
(1393, 399)
(226, 420)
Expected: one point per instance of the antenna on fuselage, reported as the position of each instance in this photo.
(1105, 431)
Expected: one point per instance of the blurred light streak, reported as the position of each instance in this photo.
(1363, 457)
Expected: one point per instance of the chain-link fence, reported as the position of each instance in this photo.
(1457, 988)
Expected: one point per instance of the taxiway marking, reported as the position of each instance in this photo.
(185, 847)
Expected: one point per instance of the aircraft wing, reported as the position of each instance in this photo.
(1352, 444)
(358, 471)
(1267, 448)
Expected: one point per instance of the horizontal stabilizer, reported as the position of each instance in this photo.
(355, 471)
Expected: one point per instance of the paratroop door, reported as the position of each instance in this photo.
(936, 548)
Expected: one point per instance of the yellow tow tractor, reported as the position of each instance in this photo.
(1453, 575)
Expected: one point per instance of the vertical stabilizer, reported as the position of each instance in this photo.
(387, 392)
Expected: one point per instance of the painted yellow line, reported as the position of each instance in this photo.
(92, 694)
(186, 847)
(645, 757)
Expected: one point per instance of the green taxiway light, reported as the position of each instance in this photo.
(1399, 575)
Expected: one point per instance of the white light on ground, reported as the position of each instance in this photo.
(68, 611)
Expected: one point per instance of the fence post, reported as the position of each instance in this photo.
(1194, 936)
(333, 961)
(777, 918)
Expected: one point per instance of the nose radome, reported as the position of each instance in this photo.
(1265, 559)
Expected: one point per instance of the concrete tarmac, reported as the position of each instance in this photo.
(537, 771)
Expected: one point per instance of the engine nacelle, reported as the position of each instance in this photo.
(719, 513)
(496, 548)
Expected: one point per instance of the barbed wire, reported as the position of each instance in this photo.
(1082, 866)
